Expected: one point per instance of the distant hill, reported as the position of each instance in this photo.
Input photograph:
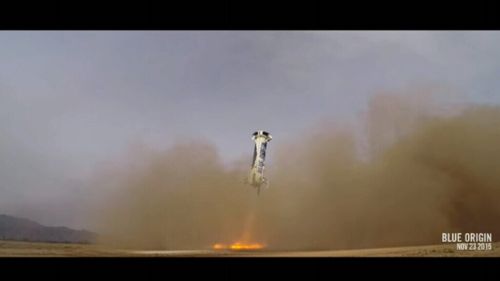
(20, 229)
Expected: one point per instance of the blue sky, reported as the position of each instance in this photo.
(72, 100)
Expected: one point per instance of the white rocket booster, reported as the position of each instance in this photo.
(256, 177)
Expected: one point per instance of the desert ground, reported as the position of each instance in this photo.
(28, 249)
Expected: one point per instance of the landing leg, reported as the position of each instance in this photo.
(265, 183)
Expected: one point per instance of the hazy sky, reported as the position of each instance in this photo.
(70, 101)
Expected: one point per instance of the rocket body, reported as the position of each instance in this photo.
(256, 177)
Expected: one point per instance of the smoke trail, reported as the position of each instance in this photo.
(428, 173)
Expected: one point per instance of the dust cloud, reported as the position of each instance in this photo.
(425, 172)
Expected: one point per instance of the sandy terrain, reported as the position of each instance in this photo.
(26, 249)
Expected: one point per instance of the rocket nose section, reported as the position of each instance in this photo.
(262, 133)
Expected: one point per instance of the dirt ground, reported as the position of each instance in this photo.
(27, 249)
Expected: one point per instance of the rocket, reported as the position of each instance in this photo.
(256, 176)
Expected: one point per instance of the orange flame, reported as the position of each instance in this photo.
(244, 246)
(219, 246)
(239, 246)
